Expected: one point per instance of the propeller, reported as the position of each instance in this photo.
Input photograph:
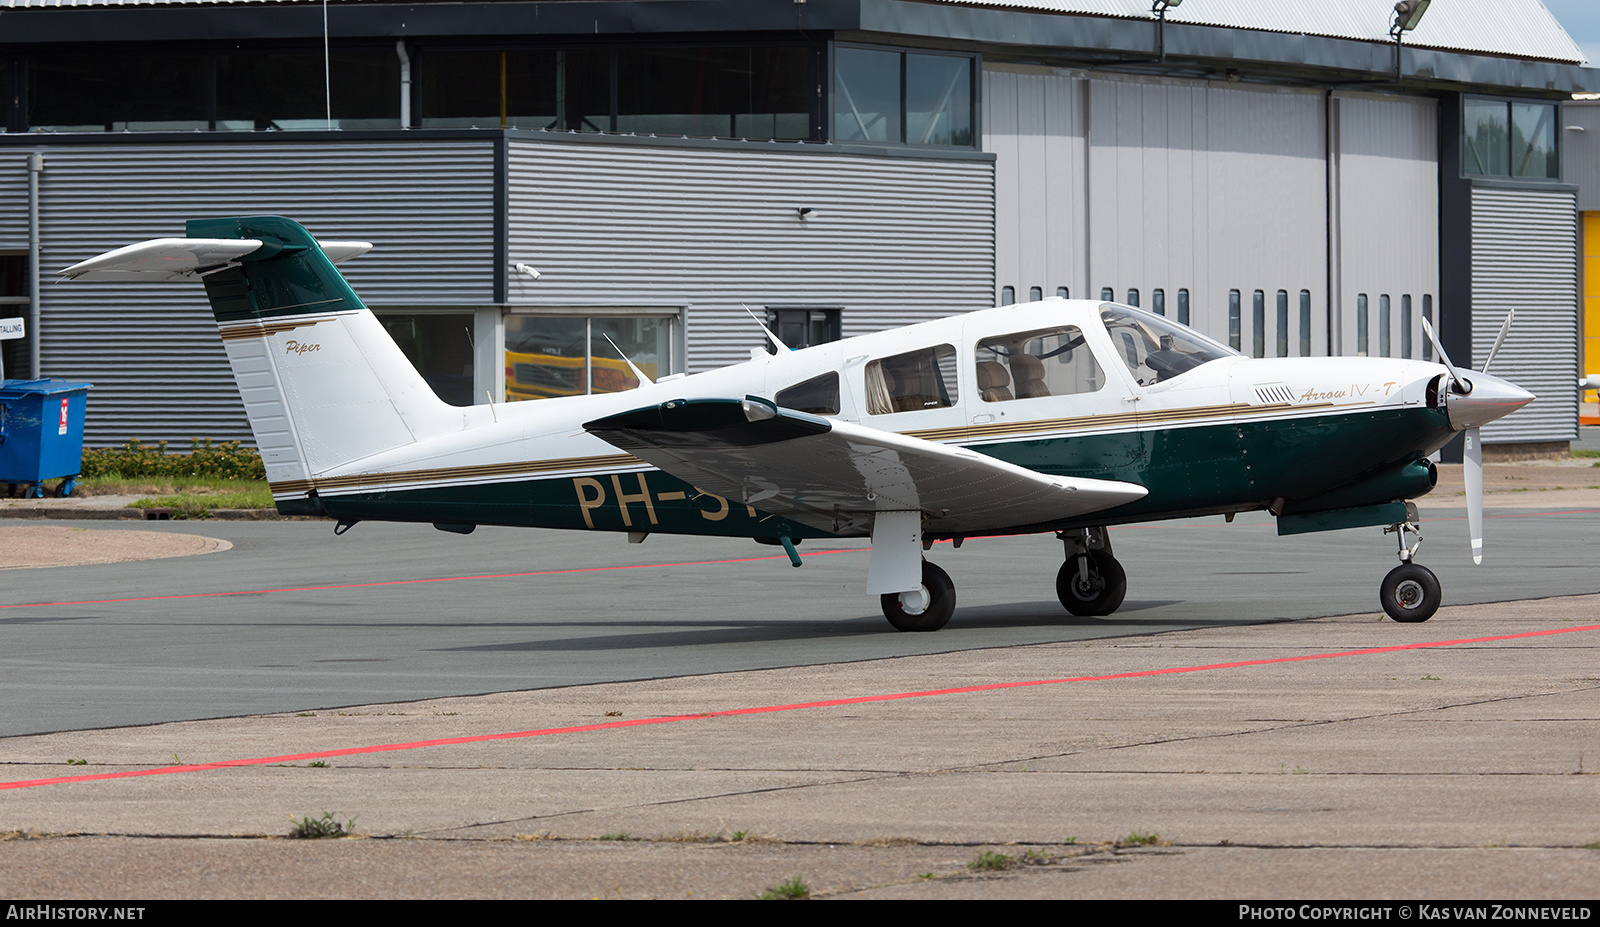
(1472, 458)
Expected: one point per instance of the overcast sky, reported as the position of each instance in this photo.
(1581, 19)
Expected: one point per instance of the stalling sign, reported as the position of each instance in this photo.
(11, 328)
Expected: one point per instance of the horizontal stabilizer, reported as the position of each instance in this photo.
(182, 258)
(835, 475)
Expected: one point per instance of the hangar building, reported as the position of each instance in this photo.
(1288, 177)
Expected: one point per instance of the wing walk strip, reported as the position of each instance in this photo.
(771, 709)
(628, 461)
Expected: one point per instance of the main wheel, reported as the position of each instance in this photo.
(1410, 593)
(1101, 594)
(927, 609)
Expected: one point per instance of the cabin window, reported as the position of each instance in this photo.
(910, 382)
(818, 395)
(1027, 365)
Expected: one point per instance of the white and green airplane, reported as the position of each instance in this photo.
(1056, 417)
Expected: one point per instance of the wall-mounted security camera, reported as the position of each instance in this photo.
(521, 268)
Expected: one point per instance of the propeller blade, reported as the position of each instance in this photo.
(1505, 329)
(1472, 474)
(1427, 329)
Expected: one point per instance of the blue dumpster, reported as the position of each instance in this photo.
(41, 432)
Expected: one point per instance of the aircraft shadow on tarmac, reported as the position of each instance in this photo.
(1019, 615)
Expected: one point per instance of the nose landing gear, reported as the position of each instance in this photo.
(1410, 592)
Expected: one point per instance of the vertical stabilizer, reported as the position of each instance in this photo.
(324, 386)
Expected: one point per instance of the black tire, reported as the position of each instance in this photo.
(942, 604)
(1410, 593)
(1102, 595)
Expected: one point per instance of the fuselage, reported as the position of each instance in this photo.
(1227, 434)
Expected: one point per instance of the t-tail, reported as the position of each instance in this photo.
(323, 384)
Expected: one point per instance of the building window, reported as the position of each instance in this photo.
(285, 90)
(1133, 297)
(1509, 138)
(910, 98)
(576, 355)
(1305, 323)
(1361, 325)
(1008, 296)
(439, 345)
(1427, 316)
(802, 327)
(121, 93)
(1183, 306)
(1258, 323)
(1158, 301)
(1107, 294)
(1405, 326)
(1383, 325)
(1062, 292)
(1035, 293)
(1233, 319)
(714, 92)
(15, 355)
(1283, 323)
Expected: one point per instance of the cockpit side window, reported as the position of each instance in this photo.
(1155, 348)
(818, 395)
(924, 379)
(1048, 362)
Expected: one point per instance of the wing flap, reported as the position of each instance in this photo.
(836, 475)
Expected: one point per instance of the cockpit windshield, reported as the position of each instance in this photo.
(1155, 348)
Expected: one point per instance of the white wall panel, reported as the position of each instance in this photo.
(1033, 123)
(1387, 157)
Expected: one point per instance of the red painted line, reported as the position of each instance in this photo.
(441, 579)
(769, 709)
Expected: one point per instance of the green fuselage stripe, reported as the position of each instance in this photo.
(1188, 471)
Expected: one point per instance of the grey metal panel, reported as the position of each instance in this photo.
(1033, 123)
(1580, 151)
(1388, 200)
(151, 349)
(892, 241)
(1210, 189)
(1524, 257)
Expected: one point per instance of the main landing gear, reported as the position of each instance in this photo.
(1410, 592)
(926, 608)
(1091, 583)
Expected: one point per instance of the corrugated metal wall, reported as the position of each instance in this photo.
(14, 196)
(1387, 157)
(892, 240)
(1524, 257)
(151, 350)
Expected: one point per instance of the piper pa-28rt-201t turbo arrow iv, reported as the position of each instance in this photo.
(1059, 416)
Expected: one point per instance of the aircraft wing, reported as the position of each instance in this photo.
(835, 475)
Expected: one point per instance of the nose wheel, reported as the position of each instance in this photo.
(1410, 593)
